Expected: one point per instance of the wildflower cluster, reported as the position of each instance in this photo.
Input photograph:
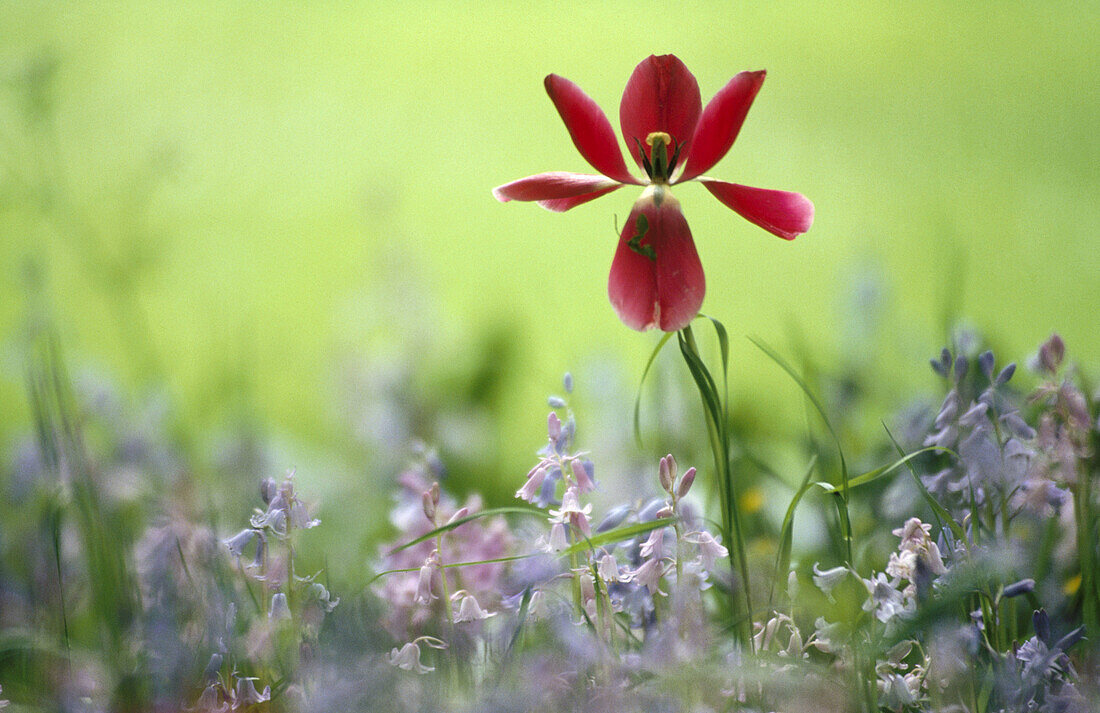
(984, 429)
(427, 596)
(962, 610)
(293, 606)
(624, 592)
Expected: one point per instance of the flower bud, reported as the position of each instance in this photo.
(567, 382)
(649, 511)
(210, 673)
(1006, 374)
(962, 365)
(1018, 426)
(667, 473)
(1017, 588)
(792, 585)
(1067, 641)
(555, 402)
(1041, 624)
(582, 474)
(1052, 353)
(986, 362)
(429, 505)
(261, 551)
(267, 490)
(942, 365)
(685, 483)
(553, 426)
(568, 431)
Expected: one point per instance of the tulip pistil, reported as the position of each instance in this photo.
(657, 164)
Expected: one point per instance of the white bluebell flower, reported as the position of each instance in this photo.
(279, 610)
(828, 580)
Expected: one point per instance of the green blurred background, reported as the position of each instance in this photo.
(247, 204)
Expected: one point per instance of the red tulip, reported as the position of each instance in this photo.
(656, 277)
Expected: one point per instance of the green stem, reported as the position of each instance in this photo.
(715, 407)
(446, 591)
(1085, 549)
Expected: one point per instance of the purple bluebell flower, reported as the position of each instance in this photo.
(1024, 586)
(614, 517)
(238, 542)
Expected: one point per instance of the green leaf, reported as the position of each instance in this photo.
(724, 348)
(521, 619)
(774, 356)
(625, 532)
(449, 565)
(873, 475)
(705, 383)
(463, 520)
(638, 399)
(938, 510)
(843, 492)
(619, 534)
(786, 532)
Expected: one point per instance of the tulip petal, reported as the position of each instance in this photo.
(560, 205)
(661, 95)
(720, 123)
(557, 191)
(588, 126)
(656, 277)
(781, 213)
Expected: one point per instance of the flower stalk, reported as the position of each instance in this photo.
(716, 417)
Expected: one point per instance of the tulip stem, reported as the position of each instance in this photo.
(716, 417)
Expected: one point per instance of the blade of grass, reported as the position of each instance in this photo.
(623, 532)
(724, 351)
(774, 356)
(939, 511)
(513, 510)
(452, 565)
(521, 619)
(873, 475)
(638, 398)
(786, 532)
(55, 533)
